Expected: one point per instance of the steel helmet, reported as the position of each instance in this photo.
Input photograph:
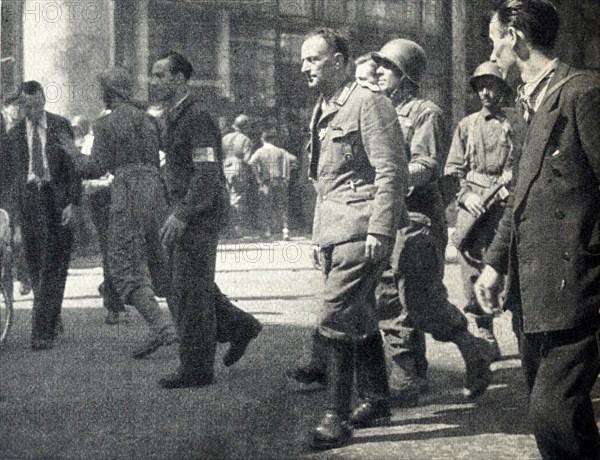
(488, 69)
(406, 55)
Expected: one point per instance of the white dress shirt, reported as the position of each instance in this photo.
(42, 127)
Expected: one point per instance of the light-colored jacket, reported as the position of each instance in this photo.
(360, 167)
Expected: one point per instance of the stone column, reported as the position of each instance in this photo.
(460, 28)
(65, 45)
(224, 52)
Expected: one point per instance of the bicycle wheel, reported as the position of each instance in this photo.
(6, 315)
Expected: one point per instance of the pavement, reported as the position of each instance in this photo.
(87, 399)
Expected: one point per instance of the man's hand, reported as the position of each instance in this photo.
(378, 247)
(69, 216)
(487, 287)
(473, 204)
(171, 231)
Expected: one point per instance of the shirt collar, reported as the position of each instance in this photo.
(405, 105)
(530, 87)
(43, 122)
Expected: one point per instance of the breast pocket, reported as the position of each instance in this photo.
(344, 142)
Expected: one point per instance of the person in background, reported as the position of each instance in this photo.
(11, 115)
(46, 193)
(366, 71)
(126, 144)
(97, 192)
(485, 146)
(272, 166)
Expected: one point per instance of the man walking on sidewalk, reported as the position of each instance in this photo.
(197, 191)
(359, 167)
(548, 241)
(126, 144)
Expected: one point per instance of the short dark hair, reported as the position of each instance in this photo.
(269, 135)
(31, 87)
(179, 64)
(537, 19)
(336, 42)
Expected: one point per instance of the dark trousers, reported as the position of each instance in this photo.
(204, 315)
(47, 249)
(560, 369)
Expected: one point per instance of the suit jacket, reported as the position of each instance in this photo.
(548, 240)
(360, 167)
(194, 170)
(65, 183)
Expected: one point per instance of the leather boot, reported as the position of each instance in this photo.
(477, 354)
(334, 429)
(316, 370)
(372, 382)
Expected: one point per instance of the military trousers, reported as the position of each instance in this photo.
(413, 299)
(136, 259)
(99, 202)
(349, 292)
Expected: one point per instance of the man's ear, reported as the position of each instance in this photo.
(517, 37)
(339, 60)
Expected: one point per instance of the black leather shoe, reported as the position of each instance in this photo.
(477, 381)
(239, 345)
(308, 375)
(176, 380)
(369, 414)
(163, 339)
(332, 432)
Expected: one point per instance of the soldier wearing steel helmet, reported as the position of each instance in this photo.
(485, 145)
(126, 144)
(413, 294)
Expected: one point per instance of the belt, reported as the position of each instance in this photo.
(483, 180)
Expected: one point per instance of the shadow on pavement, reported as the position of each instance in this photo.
(87, 399)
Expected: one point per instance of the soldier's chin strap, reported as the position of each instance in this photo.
(404, 91)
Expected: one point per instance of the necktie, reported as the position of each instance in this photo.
(37, 158)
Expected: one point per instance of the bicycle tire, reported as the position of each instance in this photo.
(6, 315)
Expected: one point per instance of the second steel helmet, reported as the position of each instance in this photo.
(406, 55)
(488, 69)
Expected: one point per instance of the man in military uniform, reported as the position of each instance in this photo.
(484, 147)
(415, 275)
(126, 144)
(360, 172)
(197, 192)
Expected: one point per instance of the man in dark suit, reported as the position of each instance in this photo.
(197, 191)
(45, 192)
(548, 241)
